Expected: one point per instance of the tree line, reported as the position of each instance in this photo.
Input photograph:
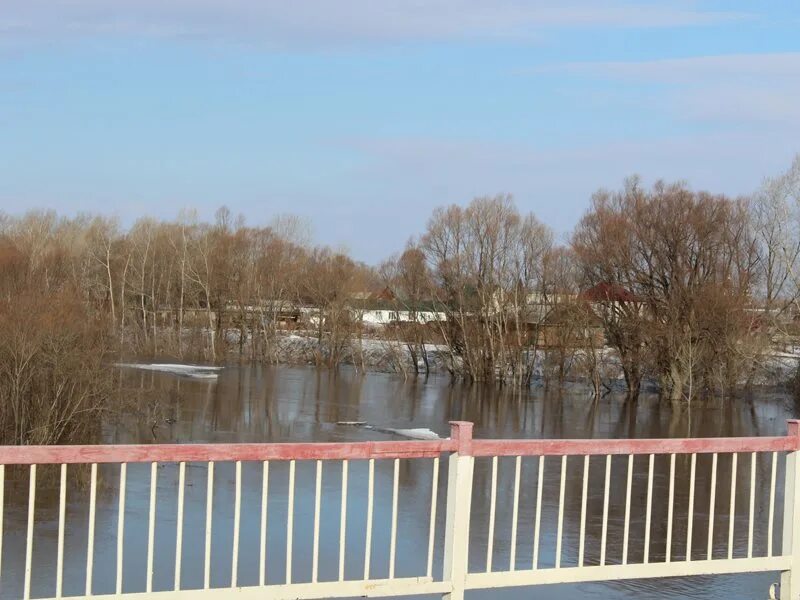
(682, 288)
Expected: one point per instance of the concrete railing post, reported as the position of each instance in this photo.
(790, 580)
(459, 501)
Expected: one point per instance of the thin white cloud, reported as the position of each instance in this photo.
(739, 88)
(312, 22)
(692, 69)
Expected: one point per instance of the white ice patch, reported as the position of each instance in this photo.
(416, 433)
(193, 371)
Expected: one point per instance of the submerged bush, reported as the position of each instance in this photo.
(54, 376)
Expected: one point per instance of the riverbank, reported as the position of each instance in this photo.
(777, 367)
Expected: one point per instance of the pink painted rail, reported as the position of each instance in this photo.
(145, 453)
(456, 575)
(632, 446)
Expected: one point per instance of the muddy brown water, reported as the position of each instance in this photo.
(280, 404)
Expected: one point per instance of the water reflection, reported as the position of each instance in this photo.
(286, 404)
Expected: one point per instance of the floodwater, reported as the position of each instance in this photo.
(280, 404)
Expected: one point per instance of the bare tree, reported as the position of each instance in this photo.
(411, 283)
(329, 281)
(54, 382)
(103, 237)
(674, 252)
(485, 261)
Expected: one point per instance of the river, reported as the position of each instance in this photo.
(281, 404)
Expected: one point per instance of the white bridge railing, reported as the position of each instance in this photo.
(457, 551)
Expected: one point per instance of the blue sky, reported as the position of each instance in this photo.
(364, 115)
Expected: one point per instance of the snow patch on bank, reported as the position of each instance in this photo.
(192, 371)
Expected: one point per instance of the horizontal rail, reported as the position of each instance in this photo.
(144, 453)
(475, 581)
(460, 441)
(374, 588)
(640, 446)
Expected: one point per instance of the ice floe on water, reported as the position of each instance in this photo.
(193, 371)
(415, 433)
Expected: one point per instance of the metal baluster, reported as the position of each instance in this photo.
(605, 511)
(179, 525)
(123, 475)
(317, 500)
(90, 536)
(2, 506)
(515, 515)
(731, 518)
(368, 539)
(62, 509)
(290, 523)
(538, 518)
(393, 537)
(237, 517)
(262, 542)
(584, 494)
(343, 521)
(670, 506)
(561, 510)
(772, 503)
(432, 526)
(151, 527)
(492, 506)
(690, 522)
(752, 504)
(627, 525)
(209, 524)
(649, 510)
(711, 504)
(29, 536)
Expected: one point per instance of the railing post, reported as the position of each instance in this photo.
(459, 500)
(790, 580)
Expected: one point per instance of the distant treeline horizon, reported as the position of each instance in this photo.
(699, 286)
